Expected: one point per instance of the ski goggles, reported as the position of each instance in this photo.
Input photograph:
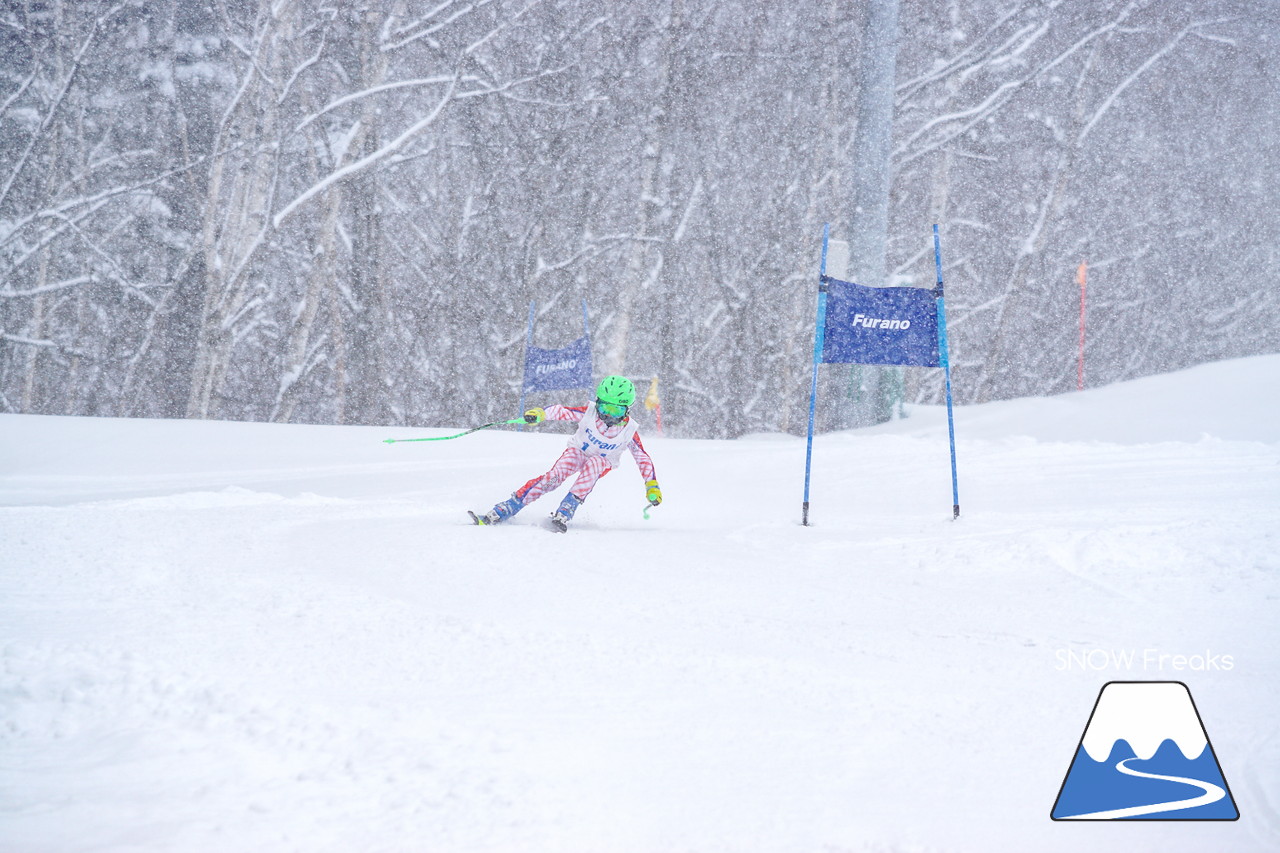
(614, 411)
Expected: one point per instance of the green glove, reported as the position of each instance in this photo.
(535, 416)
(652, 492)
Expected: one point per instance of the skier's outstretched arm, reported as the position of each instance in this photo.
(556, 412)
(652, 492)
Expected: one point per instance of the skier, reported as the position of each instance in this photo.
(604, 430)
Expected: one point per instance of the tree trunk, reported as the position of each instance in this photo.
(653, 208)
(366, 399)
(872, 178)
(1033, 246)
(237, 219)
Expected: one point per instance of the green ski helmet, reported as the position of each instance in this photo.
(614, 395)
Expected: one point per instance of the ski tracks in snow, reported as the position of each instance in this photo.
(95, 729)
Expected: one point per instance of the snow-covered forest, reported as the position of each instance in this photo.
(340, 212)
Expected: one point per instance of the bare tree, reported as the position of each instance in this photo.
(264, 209)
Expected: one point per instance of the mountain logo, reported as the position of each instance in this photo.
(1144, 755)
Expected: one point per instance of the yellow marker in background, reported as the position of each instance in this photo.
(653, 403)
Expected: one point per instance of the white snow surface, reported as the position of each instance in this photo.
(250, 637)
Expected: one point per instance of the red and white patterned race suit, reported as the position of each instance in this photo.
(591, 454)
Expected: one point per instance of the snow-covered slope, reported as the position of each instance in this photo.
(225, 636)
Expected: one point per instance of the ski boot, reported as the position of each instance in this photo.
(499, 513)
(561, 517)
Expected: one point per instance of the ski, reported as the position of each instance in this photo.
(475, 519)
(558, 525)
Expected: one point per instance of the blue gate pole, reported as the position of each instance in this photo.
(528, 343)
(945, 358)
(818, 337)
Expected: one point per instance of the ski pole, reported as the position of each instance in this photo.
(648, 507)
(459, 435)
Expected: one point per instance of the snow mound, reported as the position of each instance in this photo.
(1232, 400)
